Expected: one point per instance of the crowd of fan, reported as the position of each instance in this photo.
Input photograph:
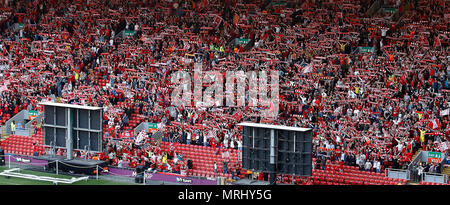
(370, 109)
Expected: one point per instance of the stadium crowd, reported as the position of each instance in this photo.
(374, 87)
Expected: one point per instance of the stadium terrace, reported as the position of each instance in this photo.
(369, 77)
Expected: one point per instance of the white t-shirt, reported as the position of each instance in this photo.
(400, 147)
(189, 136)
(356, 112)
(376, 165)
(277, 29)
(368, 165)
(383, 31)
(351, 94)
(362, 157)
(232, 144)
(420, 170)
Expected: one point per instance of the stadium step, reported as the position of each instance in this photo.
(446, 171)
(4, 134)
(373, 9)
(417, 152)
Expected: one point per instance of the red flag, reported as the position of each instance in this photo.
(437, 42)
(403, 79)
(434, 124)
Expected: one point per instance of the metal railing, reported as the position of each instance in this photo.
(428, 177)
(434, 177)
(19, 117)
(374, 8)
(416, 160)
(398, 173)
(140, 127)
(15, 172)
(444, 157)
(25, 161)
(29, 125)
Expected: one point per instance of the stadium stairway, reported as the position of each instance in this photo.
(417, 153)
(413, 157)
(4, 134)
(446, 171)
(373, 9)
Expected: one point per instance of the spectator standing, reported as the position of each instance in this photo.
(239, 144)
(324, 163)
(420, 171)
(438, 168)
(188, 138)
(376, 166)
(432, 168)
(318, 163)
(415, 172)
(367, 166)
(13, 127)
(225, 166)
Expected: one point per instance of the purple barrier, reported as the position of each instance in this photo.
(25, 160)
(166, 177)
(175, 178)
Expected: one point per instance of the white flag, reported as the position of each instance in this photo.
(445, 112)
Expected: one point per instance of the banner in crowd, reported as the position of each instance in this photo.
(434, 157)
(32, 114)
(365, 49)
(390, 10)
(152, 127)
(242, 40)
(19, 26)
(128, 33)
(445, 112)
